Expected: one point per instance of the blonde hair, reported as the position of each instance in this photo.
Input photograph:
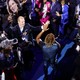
(49, 39)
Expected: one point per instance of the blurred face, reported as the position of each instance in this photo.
(44, 1)
(21, 21)
(53, 0)
(62, 2)
(13, 6)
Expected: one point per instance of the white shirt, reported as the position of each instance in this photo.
(21, 29)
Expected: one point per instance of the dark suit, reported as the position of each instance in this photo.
(25, 47)
(29, 6)
(13, 30)
(73, 4)
(55, 24)
(18, 34)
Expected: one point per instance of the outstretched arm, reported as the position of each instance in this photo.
(45, 28)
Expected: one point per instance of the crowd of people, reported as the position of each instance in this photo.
(25, 22)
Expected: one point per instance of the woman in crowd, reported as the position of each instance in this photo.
(49, 47)
(44, 11)
(15, 8)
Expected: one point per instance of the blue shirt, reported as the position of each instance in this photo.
(49, 52)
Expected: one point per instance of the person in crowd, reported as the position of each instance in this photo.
(21, 30)
(23, 33)
(7, 58)
(77, 14)
(9, 63)
(55, 12)
(44, 11)
(64, 18)
(76, 74)
(49, 47)
(72, 4)
(3, 12)
(30, 4)
(34, 16)
(15, 9)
